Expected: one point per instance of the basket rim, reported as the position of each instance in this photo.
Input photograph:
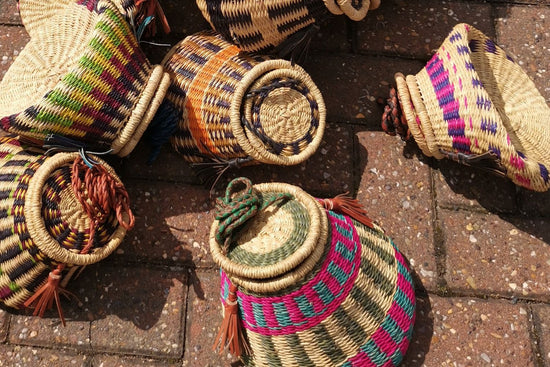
(317, 231)
(266, 69)
(37, 229)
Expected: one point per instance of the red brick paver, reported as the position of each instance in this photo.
(479, 246)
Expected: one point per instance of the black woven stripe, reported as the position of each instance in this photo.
(353, 330)
(6, 233)
(371, 307)
(20, 270)
(251, 39)
(268, 349)
(5, 194)
(37, 282)
(9, 254)
(298, 352)
(327, 345)
(380, 281)
(223, 22)
(8, 177)
(16, 162)
(3, 213)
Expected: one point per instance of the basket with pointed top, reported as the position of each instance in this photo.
(81, 76)
(314, 281)
(472, 103)
(51, 222)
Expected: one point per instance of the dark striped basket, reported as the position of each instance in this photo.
(81, 76)
(260, 25)
(232, 105)
(50, 223)
(474, 104)
(315, 282)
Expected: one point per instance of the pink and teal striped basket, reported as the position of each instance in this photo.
(314, 287)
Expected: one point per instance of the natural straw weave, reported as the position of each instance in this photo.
(82, 75)
(260, 25)
(473, 102)
(42, 224)
(235, 105)
(315, 287)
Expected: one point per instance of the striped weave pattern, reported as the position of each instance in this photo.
(94, 85)
(236, 106)
(472, 99)
(23, 265)
(256, 25)
(356, 308)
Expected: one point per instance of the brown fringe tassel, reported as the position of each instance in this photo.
(343, 204)
(232, 334)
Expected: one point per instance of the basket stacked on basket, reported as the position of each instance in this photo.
(56, 214)
(315, 281)
(81, 76)
(235, 107)
(472, 103)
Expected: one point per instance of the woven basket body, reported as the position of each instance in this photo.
(42, 224)
(236, 106)
(316, 288)
(260, 25)
(472, 101)
(81, 76)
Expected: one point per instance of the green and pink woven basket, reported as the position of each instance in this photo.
(236, 106)
(313, 282)
(474, 104)
(81, 76)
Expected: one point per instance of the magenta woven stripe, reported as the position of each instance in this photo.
(445, 94)
(315, 300)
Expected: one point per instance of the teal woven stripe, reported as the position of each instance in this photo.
(259, 314)
(281, 314)
(352, 327)
(324, 292)
(346, 232)
(305, 306)
(60, 99)
(341, 249)
(401, 298)
(336, 271)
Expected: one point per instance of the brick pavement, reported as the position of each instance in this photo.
(479, 245)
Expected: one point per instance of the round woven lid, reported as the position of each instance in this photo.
(56, 221)
(82, 75)
(279, 245)
(278, 114)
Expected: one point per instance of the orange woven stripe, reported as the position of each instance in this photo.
(197, 91)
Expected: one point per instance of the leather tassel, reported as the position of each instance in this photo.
(43, 298)
(231, 334)
(343, 204)
(147, 8)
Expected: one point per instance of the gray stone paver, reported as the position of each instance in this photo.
(480, 273)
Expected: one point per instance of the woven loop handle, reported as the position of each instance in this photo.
(238, 206)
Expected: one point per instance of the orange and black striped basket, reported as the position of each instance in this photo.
(232, 105)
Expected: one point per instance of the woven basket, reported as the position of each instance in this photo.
(237, 106)
(256, 25)
(474, 104)
(43, 225)
(82, 76)
(314, 287)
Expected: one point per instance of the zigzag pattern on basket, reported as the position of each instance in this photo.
(109, 75)
(284, 321)
(261, 25)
